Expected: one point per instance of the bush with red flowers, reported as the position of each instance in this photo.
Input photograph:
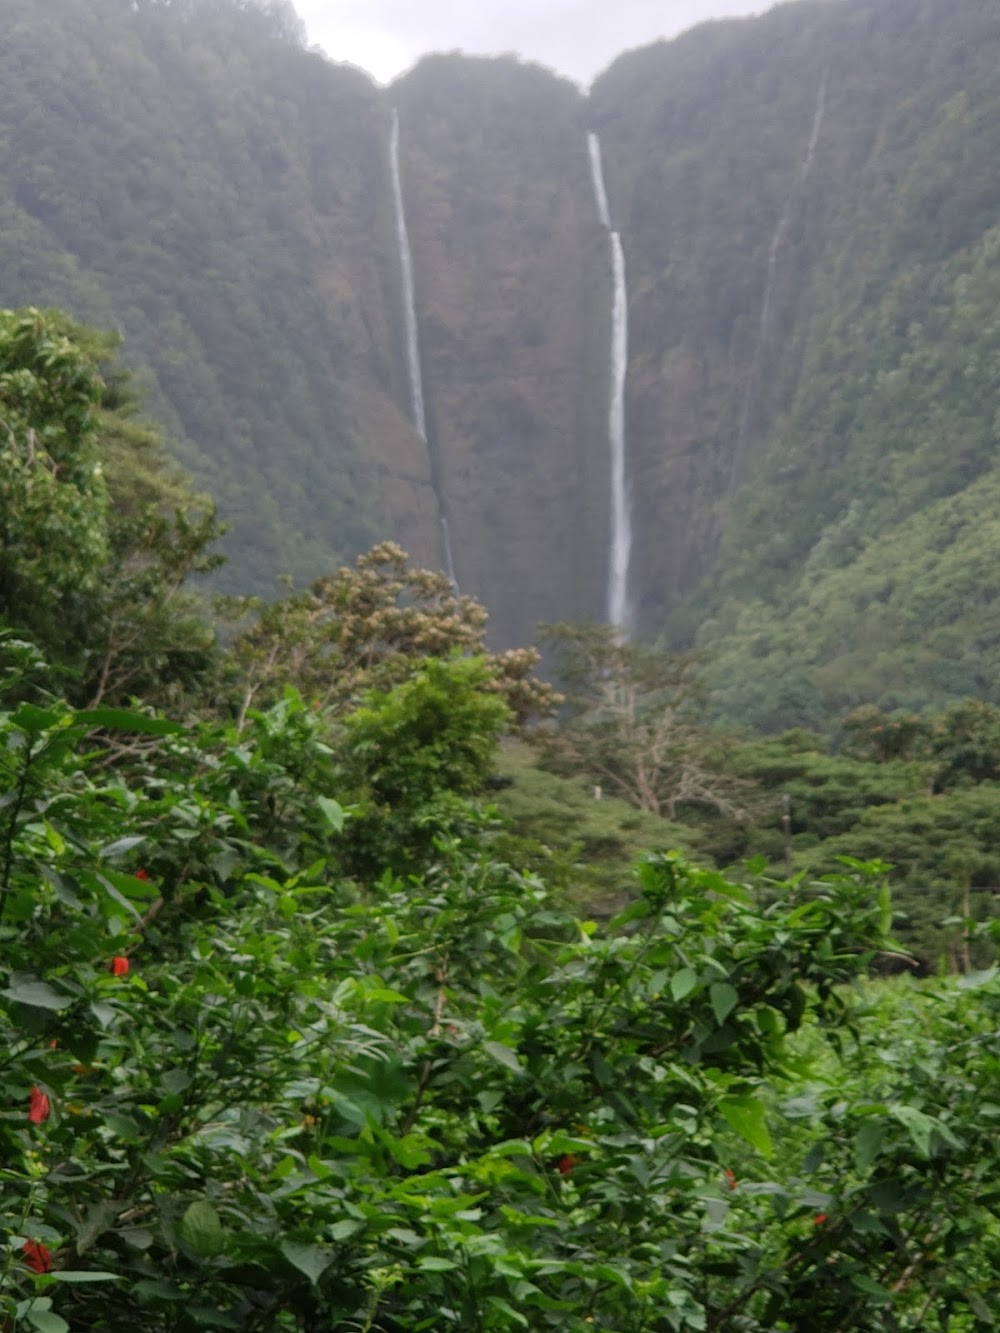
(324, 1099)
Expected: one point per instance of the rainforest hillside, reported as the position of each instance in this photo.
(807, 206)
(300, 1030)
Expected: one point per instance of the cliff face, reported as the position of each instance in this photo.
(807, 204)
(190, 176)
(513, 299)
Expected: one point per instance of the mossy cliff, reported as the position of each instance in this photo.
(807, 203)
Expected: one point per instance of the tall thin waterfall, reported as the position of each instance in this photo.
(409, 301)
(597, 176)
(764, 322)
(413, 338)
(619, 609)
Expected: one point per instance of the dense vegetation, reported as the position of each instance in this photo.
(300, 1026)
(169, 175)
(295, 1037)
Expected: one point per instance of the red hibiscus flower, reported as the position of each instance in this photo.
(119, 965)
(819, 1219)
(566, 1164)
(730, 1178)
(142, 874)
(39, 1108)
(37, 1256)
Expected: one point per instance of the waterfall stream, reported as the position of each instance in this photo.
(736, 476)
(417, 412)
(619, 610)
(597, 176)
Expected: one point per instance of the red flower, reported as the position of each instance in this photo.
(39, 1108)
(819, 1219)
(730, 1178)
(37, 1256)
(119, 965)
(142, 874)
(566, 1164)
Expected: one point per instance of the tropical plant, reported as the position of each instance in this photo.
(242, 1091)
(370, 627)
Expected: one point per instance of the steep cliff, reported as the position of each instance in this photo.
(512, 283)
(196, 179)
(807, 205)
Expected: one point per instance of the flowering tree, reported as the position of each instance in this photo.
(369, 627)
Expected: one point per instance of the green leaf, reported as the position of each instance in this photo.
(748, 1117)
(25, 989)
(138, 1237)
(346, 1228)
(129, 886)
(383, 996)
(200, 1230)
(431, 1263)
(310, 1260)
(119, 898)
(884, 909)
(978, 1306)
(124, 719)
(513, 1317)
(84, 1275)
(972, 980)
(724, 1000)
(868, 1143)
(99, 1217)
(120, 846)
(682, 983)
(332, 811)
(872, 1288)
(35, 720)
(920, 1127)
(45, 1321)
(503, 1055)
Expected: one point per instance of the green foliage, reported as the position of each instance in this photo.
(53, 500)
(867, 581)
(407, 753)
(228, 206)
(828, 794)
(99, 533)
(580, 839)
(247, 318)
(915, 792)
(256, 1080)
(370, 627)
(299, 1103)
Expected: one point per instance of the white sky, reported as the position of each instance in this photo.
(578, 38)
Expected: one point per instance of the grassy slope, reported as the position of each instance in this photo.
(557, 829)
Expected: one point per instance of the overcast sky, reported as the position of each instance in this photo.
(576, 37)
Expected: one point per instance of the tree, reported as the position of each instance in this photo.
(635, 722)
(99, 531)
(53, 497)
(146, 633)
(276, 18)
(367, 628)
(411, 757)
